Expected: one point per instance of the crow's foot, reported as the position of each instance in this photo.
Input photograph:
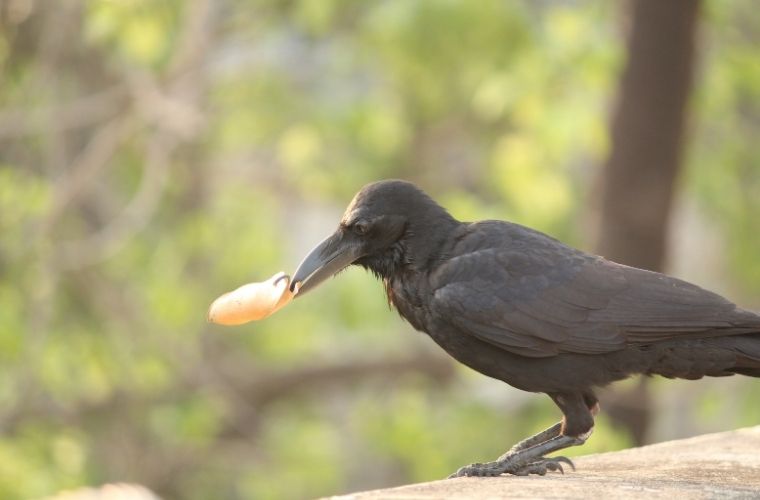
(524, 461)
(513, 465)
(544, 465)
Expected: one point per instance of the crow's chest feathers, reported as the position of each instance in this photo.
(405, 297)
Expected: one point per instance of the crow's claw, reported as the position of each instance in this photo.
(544, 465)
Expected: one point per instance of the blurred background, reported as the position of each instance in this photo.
(154, 154)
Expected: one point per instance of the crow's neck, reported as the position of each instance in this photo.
(421, 246)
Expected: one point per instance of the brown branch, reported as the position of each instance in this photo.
(104, 243)
(258, 389)
(86, 167)
(84, 112)
(265, 389)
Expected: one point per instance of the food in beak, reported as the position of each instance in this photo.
(253, 301)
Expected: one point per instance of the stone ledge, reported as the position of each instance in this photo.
(724, 465)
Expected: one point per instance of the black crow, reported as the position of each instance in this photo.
(522, 307)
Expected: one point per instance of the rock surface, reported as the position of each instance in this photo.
(725, 465)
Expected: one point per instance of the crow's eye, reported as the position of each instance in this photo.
(360, 228)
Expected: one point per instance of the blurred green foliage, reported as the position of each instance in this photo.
(725, 173)
(156, 154)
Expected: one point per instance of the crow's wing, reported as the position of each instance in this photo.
(537, 297)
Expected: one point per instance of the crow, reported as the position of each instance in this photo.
(517, 305)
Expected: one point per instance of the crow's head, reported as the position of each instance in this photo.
(388, 225)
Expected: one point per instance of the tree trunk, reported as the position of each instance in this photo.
(637, 183)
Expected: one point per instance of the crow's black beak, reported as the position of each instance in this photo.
(330, 256)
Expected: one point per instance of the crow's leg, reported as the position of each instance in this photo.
(539, 438)
(528, 456)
